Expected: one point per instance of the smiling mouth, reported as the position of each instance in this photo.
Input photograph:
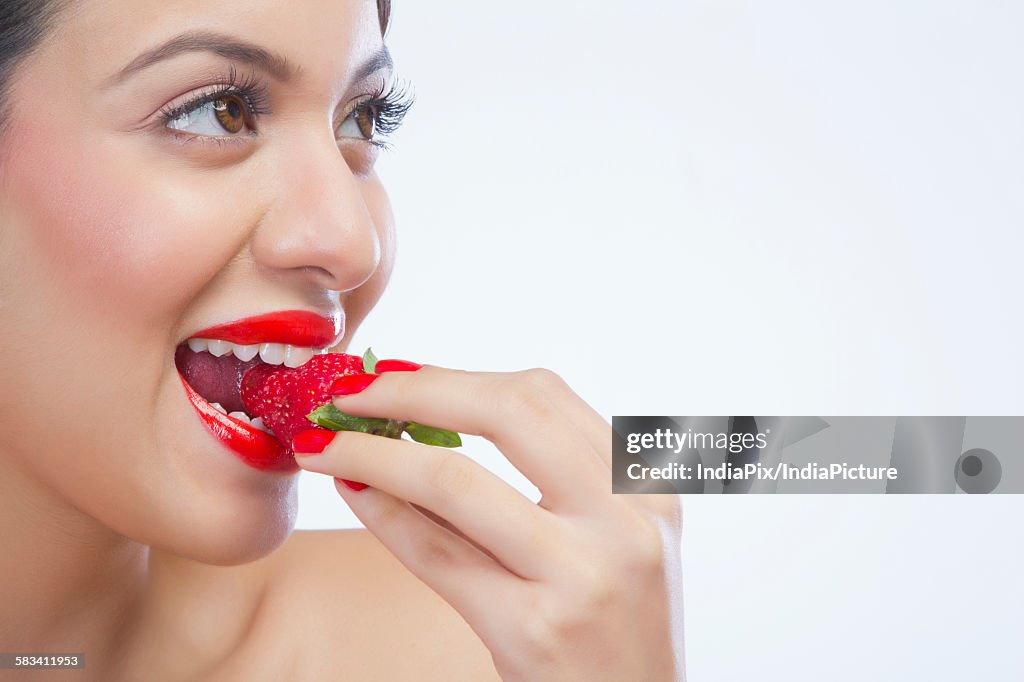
(212, 363)
(214, 369)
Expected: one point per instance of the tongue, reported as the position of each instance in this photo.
(216, 379)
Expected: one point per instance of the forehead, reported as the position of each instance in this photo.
(324, 38)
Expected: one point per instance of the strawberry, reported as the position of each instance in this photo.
(293, 400)
(284, 396)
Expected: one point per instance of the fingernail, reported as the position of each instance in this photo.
(396, 366)
(353, 383)
(311, 441)
(354, 485)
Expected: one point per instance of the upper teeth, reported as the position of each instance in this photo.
(270, 353)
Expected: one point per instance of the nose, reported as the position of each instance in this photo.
(317, 224)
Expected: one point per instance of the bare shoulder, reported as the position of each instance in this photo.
(350, 606)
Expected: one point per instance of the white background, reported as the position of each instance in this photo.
(739, 208)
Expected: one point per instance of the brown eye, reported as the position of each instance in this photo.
(360, 124)
(225, 116)
(230, 112)
(366, 119)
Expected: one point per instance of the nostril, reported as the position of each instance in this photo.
(324, 278)
(349, 267)
(318, 271)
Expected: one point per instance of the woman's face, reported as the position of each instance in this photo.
(129, 222)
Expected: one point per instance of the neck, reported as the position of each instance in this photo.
(70, 583)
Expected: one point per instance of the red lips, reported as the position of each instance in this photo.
(254, 447)
(293, 327)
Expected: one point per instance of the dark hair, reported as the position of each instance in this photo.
(23, 23)
(383, 13)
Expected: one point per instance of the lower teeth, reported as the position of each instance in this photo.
(256, 423)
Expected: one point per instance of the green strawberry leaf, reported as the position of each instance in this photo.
(430, 435)
(330, 417)
(369, 361)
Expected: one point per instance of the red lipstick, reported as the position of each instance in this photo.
(293, 327)
(254, 447)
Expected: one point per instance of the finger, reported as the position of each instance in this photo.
(447, 525)
(478, 503)
(590, 424)
(507, 409)
(457, 572)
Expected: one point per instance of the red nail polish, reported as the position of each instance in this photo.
(353, 383)
(354, 485)
(396, 366)
(311, 441)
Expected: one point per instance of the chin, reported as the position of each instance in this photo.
(234, 529)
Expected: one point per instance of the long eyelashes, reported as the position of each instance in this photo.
(252, 90)
(387, 107)
(390, 104)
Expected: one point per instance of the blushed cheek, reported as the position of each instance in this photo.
(104, 229)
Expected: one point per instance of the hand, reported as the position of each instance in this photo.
(584, 585)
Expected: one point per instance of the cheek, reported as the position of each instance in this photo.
(107, 254)
(380, 208)
(358, 303)
(108, 229)
(109, 245)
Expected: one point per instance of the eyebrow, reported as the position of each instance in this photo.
(239, 50)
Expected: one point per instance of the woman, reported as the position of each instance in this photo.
(168, 168)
